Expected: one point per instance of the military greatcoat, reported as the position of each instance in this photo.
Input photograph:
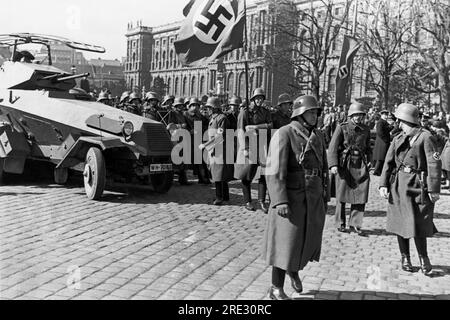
(356, 144)
(407, 156)
(446, 156)
(221, 171)
(296, 174)
(250, 155)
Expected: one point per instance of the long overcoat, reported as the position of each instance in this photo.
(252, 146)
(290, 243)
(382, 141)
(407, 216)
(446, 156)
(221, 169)
(358, 140)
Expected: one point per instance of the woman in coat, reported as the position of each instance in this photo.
(297, 174)
(412, 174)
(446, 162)
(221, 171)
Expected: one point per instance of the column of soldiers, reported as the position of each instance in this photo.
(312, 144)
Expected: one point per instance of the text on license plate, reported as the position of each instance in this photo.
(160, 167)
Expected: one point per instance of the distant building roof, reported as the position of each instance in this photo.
(104, 62)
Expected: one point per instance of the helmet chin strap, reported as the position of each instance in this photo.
(307, 125)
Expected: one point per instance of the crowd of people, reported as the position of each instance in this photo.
(316, 153)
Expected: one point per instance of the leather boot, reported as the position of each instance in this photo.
(296, 282)
(406, 263)
(225, 191)
(425, 265)
(264, 206)
(277, 294)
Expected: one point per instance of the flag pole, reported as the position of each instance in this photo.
(246, 53)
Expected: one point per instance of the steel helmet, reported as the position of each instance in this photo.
(213, 102)
(235, 101)
(258, 92)
(102, 96)
(384, 111)
(135, 96)
(284, 98)
(124, 96)
(303, 104)
(194, 100)
(167, 98)
(178, 101)
(407, 112)
(151, 96)
(356, 108)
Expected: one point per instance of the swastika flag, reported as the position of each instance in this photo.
(349, 49)
(212, 28)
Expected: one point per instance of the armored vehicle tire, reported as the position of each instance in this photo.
(94, 174)
(162, 182)
(61, 175)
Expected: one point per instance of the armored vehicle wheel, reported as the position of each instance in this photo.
(94, 174)
(162, 182)
(61, 175)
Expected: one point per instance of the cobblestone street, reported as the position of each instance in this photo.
(175, 246)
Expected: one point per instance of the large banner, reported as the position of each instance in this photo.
(349, 49)
(212, 28)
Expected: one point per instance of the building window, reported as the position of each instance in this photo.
(241, 84)
(332, 80)
(172, 61)
(193, 86)
(177, 86)
(230, 83)
(202, 85)
(169, 85)
(184, 91)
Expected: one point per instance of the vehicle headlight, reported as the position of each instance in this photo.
(128, 129)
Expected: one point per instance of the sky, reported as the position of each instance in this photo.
(97, 22)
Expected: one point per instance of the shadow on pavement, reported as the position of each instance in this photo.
(364, 295)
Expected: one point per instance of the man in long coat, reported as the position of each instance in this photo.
(349, 154)
(297, 173)
(382, 142)
(221, 171)
(411, 180)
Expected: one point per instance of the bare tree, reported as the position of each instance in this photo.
(385, 32)
(306, 38)
(432, 41)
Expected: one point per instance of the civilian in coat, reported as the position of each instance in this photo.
(221, 171)
(382, 142)
(297, 174)
(411, 180)
(349, 154)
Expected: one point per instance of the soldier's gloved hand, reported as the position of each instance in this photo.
(384, 193)
(250, 128)
(334, 170)
(283, 210)
(434, 197)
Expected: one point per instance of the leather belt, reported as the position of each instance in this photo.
(313, 172)
(308, 172)
(407, 169)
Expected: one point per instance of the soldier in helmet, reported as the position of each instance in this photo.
(253, 120)
(282, 115)
(135, 105)
(192, 116)
(411, 180)
(151, 106)
(221, 171)
(124, 100)
(103, 98)
(233, 111)
(176, 120)
(297, 177)
(349, 155)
